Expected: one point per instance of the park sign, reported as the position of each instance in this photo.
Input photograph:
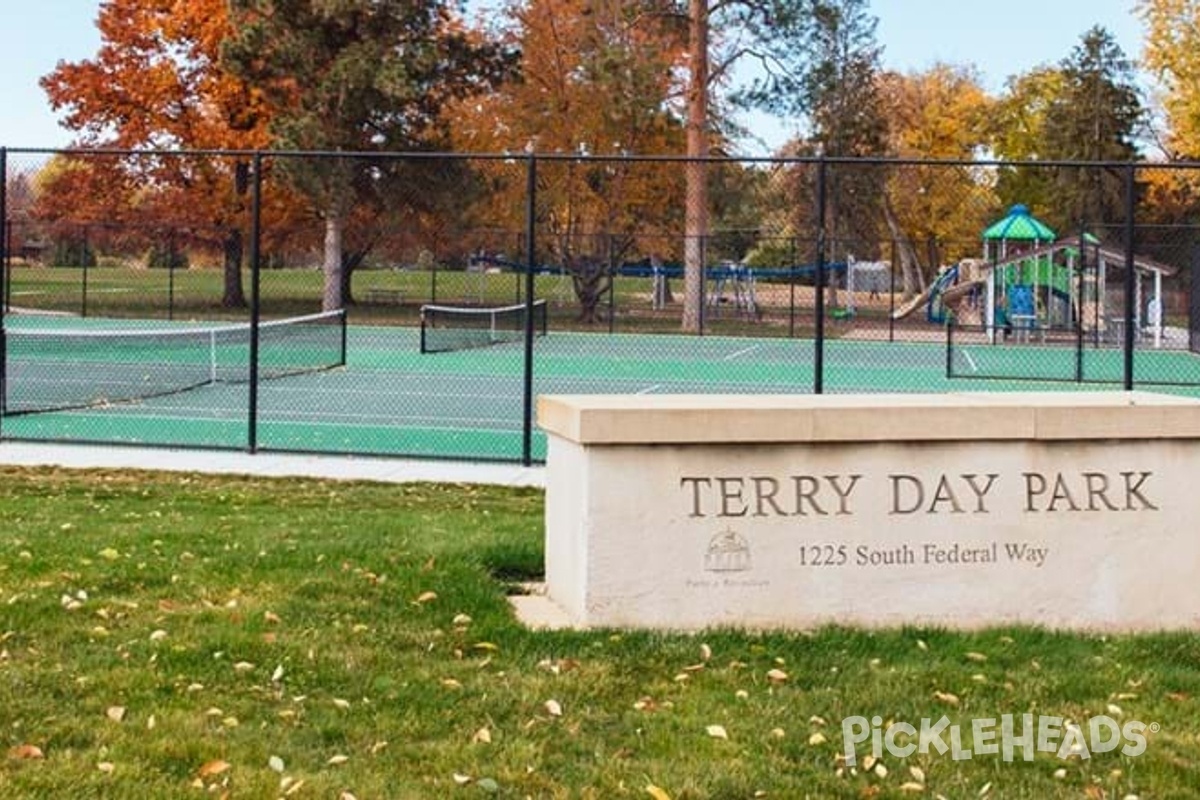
(1067, 510)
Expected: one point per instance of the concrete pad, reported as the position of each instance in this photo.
(387, 470)
(538, 612)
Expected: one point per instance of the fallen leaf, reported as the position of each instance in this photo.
(1060, 774)
(106, 767)
(488, 785)
(917, 773)
(346, 796)
(271, 617)
(881, 771)
(340, 703)
(657, 793)
(276, 764)
(158, 635)
(26, 752)
(553, 708)
(337, 759)
(987, 787)
(212, 768)
(946, 697)
(460, 620)
(977, 657)
(115, 713)
(482, 736)
(460, 779)
(717, 732)
(817, 739)
(426, 597)
(705, 652)
(911, 786)
(109, 554)
(277, 675)
(776, 676)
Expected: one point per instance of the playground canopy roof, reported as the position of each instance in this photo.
(1020, 226)
(1113, 256)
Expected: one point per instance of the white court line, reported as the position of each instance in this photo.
(970, 361)
(740, 353)
(649, 389)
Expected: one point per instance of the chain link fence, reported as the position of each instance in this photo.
(416, 304)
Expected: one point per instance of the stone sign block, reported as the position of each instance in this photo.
(1074, 510)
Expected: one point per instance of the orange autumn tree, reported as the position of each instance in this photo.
(156, 84)
(596, 81)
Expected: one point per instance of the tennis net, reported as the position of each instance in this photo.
(447, 328)
(53, 370)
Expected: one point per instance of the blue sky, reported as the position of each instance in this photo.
(1001, 38)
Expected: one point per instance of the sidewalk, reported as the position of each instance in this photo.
(387, 470)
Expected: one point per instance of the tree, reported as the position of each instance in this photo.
(362, 76)
(155, 83)
(1019, 134)
(1172, 55)
(1096, 117)
(941, 113)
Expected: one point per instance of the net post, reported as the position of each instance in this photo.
(212, 356)
(531, 256)
(255, 308)
(344, 321)
(949, 348)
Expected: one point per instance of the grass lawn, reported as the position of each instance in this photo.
(167, 635)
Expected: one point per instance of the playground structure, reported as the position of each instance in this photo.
(1029, 282)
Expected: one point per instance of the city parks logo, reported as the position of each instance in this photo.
(727, 551)
(991, 737)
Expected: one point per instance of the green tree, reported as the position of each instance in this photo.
(365, 76)
(1096, 117)
(825, 68)
(1019, 134)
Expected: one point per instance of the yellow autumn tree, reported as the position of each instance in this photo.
(936, 212)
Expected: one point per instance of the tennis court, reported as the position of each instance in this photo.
(337, 388)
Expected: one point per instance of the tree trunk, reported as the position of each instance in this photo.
(592, 282)
(696, 219)
(333, 297)
(234, 295)
(910, 267)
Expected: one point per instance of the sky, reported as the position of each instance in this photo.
(1001, 38)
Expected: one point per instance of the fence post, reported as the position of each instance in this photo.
(1080, 304)
(530, 266)
(84, 253)
(4, 276)
(1130, 277)
(255, 306)
(171, 275)
(819, 289)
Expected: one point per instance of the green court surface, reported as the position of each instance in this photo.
(388, 399)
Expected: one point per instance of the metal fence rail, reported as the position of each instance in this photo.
(814, 275)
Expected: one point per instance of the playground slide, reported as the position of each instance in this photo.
(944, 279)
(915, 303)
(957, 292)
